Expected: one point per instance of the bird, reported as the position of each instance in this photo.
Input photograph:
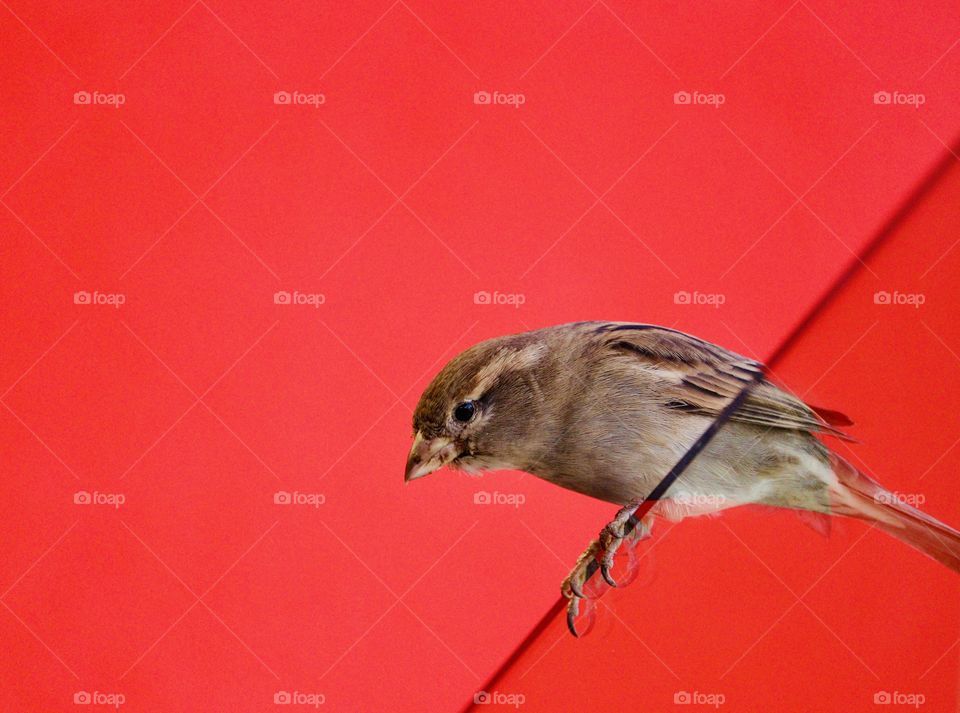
(606, 409)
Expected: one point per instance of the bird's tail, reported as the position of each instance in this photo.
(858, 495)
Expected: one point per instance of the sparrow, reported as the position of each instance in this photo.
(606, 409)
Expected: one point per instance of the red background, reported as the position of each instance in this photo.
(398, 199)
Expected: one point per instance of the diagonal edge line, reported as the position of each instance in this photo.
(360, 638)
(247, 551)
(162, 363)
(922, 189)
(37, 561)
(635, 636)
(360, 360)
(39, 640)
(197, 600)
(437, 38)
(558, 40)
(236, 636)
(599, 200)
(360, 559)
(899, 215)
(45, 46)
(39, 159)
(398, 402)
(158, 639)
(838, 39)
(647, 47)
(159, 39)
(399, 199)
(37, 237)
(948, 50)
(239, 39)
(800, 600)
(357, 41)
(759, 39)
(157, 557)
(440, 639)
(38, 360)
(40, 440)
(398, 599)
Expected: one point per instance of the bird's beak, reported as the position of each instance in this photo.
(427, 456)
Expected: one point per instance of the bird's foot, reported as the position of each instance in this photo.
(601, 551)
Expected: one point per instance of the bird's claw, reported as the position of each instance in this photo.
(611, 537)
(572, 587)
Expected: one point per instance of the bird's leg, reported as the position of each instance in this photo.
(603, 550)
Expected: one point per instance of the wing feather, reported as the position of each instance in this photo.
(705, 377)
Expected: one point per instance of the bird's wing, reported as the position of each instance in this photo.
(702, 378)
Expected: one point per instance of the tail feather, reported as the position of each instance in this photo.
(858, 495)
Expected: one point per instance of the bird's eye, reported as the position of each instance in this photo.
(465, 411)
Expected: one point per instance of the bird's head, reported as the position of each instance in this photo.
(477, 412)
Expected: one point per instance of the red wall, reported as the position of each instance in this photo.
(398, 199)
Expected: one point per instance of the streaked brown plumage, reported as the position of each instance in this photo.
(607, 408)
